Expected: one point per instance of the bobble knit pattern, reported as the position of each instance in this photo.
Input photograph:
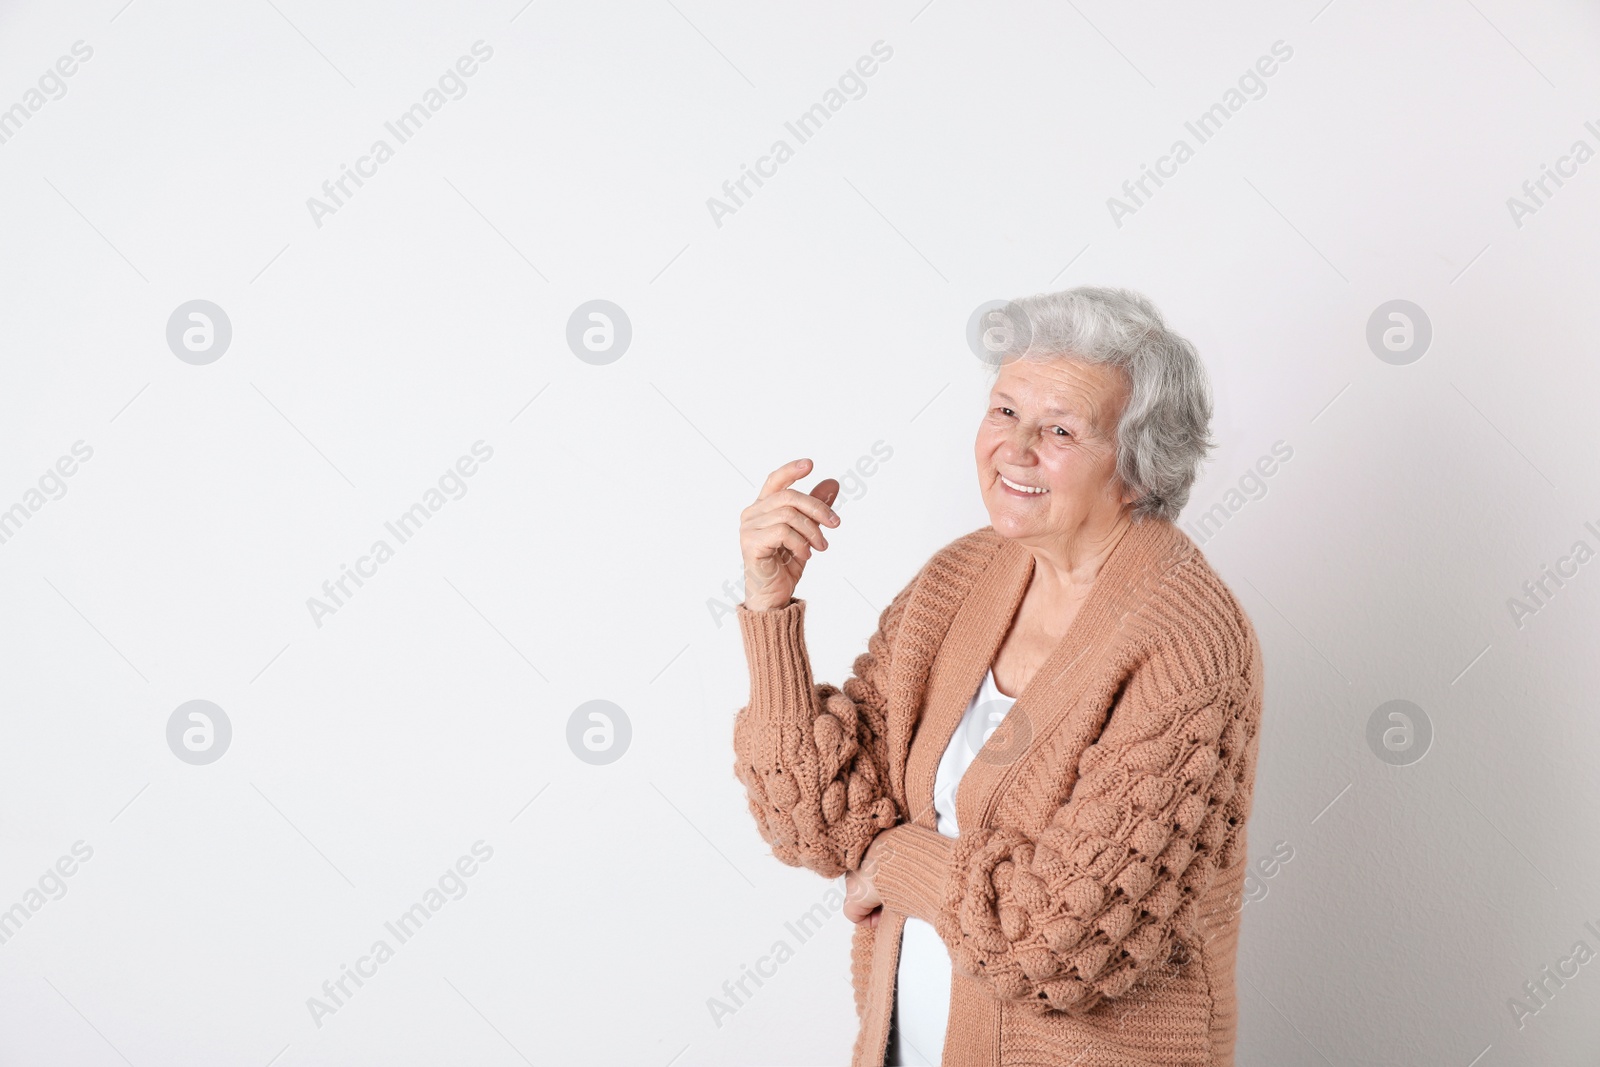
(1090, 905)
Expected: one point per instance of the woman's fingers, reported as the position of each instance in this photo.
(798, 520)
(783, 477)
(771, 539)
(814, 504)
(861, 900)
(793, 502)
(825, 491)
(858, 913)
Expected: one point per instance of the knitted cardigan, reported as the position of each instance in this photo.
(1091, 902)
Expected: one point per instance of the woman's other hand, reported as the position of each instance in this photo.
(861, 899)
(778, 532)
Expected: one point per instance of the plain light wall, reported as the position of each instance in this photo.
(373, 346)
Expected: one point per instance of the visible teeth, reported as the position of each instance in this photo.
(1024, 488)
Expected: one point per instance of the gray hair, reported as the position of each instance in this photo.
(1164, 432)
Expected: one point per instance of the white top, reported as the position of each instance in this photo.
(922, 983)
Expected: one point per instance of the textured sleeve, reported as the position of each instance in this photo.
(1083, 910)
(813, 757)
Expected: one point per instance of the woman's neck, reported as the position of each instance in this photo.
(1065, 571)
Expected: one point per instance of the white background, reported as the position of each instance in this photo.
(588, 558)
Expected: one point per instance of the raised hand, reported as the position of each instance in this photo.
(778, 533)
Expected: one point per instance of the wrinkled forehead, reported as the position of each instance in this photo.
(1062, 388)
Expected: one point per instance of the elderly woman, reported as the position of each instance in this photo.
(1036, 780)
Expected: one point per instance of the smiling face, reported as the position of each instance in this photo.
(1051, 427)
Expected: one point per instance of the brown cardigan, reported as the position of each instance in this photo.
(1091, 903)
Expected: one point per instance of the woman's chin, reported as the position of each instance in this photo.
(1011, 521)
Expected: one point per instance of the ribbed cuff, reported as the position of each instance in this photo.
(775, 652)
(913, 865)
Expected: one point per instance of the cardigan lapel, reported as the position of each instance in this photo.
(969, 647)
(1052, 694)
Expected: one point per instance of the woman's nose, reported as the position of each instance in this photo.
(1017, 443)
